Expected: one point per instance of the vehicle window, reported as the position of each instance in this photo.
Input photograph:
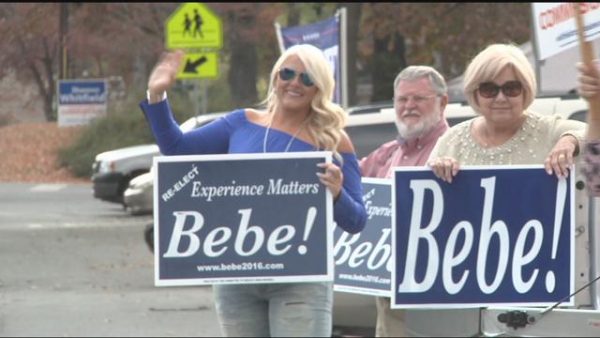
(456, 120)
(579, 116)
(373, 108)
(205, 122)
(367, 138)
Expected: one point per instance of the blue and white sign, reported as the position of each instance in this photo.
(80, 101)
(242, 218)
(324, 35)
(555, 29)
(362, 260)
(500, 235)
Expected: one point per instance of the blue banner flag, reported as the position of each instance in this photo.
(362, 260)
(324, 35)
(496, 235)
(244, 218)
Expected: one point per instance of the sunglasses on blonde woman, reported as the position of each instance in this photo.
(509, 89)
(288, 74)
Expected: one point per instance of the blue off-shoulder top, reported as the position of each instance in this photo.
(235, 134)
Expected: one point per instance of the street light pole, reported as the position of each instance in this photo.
(63, 27)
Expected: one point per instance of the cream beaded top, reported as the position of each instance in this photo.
(530, 145)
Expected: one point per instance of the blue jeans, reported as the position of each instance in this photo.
(275, 310)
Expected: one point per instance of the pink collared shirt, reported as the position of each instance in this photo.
(400, 152)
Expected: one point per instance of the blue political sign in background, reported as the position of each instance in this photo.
(82, 92)
(247, 218)
(81, 101)
(499, 235)
(362, 263)
(324, 35)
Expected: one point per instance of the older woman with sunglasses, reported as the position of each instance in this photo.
(298, 116)
(500, 85)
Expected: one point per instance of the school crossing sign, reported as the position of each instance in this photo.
(196, 29)
(199, 65)
(193, 25)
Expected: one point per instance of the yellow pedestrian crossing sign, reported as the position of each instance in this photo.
(193, 25)
(199, 65)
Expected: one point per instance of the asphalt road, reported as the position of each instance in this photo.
(71, 265)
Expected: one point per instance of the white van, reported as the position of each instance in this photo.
(370, 130)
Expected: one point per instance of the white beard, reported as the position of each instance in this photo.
(416, 130)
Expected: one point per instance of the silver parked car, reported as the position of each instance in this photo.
(114, 169)
(137, 196)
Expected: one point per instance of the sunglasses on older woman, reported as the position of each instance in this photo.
(490, 90)
(288, 74)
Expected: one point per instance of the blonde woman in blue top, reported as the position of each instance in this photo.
(299, 116)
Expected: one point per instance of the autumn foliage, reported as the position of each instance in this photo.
(126, 39)
(29, 153)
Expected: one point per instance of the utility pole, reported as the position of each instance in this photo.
(63, 27)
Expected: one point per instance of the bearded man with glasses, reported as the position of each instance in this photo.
(500, 86)
(420, 97)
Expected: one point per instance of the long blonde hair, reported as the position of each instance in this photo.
(327, 119)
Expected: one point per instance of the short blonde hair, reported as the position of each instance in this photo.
(488, 64)
(327, 119)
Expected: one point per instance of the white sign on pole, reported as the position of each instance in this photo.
(554, 26)
(81, 100)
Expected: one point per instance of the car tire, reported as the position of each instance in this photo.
(149, 236)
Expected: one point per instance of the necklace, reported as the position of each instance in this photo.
(291, 140)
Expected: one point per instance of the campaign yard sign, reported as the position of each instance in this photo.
(242, 218)
(496, 235)
(81, 101)
(362, 260)
(554, 26)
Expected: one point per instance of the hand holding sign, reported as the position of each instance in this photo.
(332, 178)
(589, 80)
